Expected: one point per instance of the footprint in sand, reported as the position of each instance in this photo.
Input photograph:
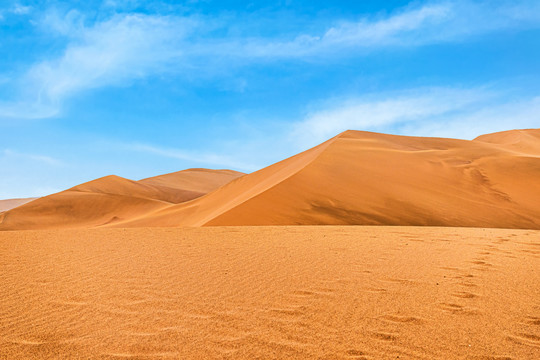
(465, 295)
(376, 290)
(467, 284)
(384, 336)
(526, 339)
(450, 268)
(303, 293)
(481, 262)
(403, 319)
(400, 281)
(458, 309)
(288, 312)
(357, 354)
(533, 320)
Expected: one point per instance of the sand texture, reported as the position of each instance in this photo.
(334, 292)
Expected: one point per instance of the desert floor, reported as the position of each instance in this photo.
(334, 292)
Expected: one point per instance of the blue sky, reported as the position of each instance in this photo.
(139, 88)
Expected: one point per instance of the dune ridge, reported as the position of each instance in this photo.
(522, 141)
(355, 178)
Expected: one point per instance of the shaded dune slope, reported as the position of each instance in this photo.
(111, 199)
(233, 194)
(376, 179)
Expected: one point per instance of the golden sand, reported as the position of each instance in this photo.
(334, 292)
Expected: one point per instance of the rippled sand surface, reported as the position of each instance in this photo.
(333, 292)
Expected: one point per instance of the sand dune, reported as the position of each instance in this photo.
(376, 179)
(334, 292)
(111, 199)
(9, 204)
(357, 177)
(201, 181)
(526, 142)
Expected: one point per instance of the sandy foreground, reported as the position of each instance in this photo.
(333, 292)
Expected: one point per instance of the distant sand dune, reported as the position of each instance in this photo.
(526, 142)
(200, 181)
(9, 204)
(112, 199)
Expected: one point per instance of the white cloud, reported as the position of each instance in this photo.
(28, 108)
(411, 27)
(430, 23)
(485, 118)
(16, 9)
(377, 33)
(117, 50)
(21, 9)
(127, 47)
(12, 154)
(121, 49)
(194, 157)
(441, 112)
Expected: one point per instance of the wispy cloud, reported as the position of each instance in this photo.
(212, 159)
(112, 52)
(485, 118)
(412, 26)
(44, 159)
(443, 112)
(434, 23)
(20, 9)
(126, 47)
(14, 9)
(399, 29)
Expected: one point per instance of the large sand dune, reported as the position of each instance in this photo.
(376, 179)
(356, 177)
(112, 198)
(335, 292)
